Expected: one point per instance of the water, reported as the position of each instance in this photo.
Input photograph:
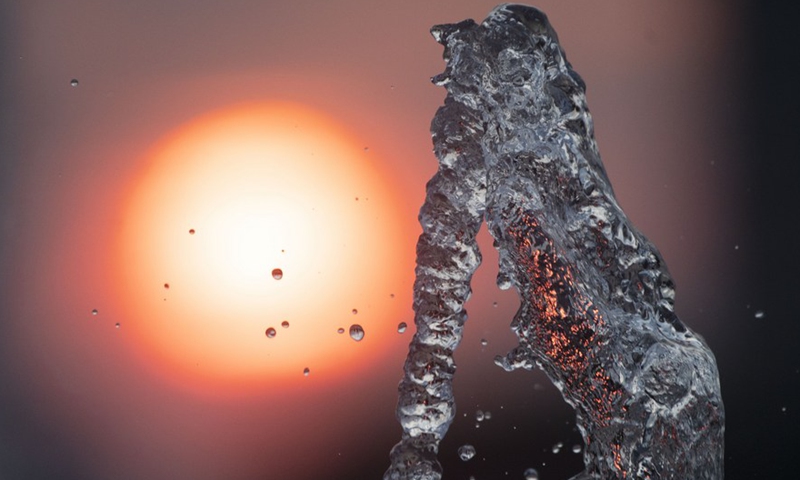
(356, 332)
(515, 144)
(277, 274)
(401, 328)
(285, 324)
(270, 332)
(466, 452)
(531, 474)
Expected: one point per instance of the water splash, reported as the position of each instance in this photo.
(516, 147)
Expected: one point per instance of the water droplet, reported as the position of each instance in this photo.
(285, 324)
(479, 415)
(355, 311)
(494, 304)
(74, 82)
(277, 274)
(391, 295)
(576, 448)
(356, 199)
(166, 286)
(557, 447)
(191, 231)
(531, 474)
(466, 452)
(366, 149)
(356, 332)
(306, 371)
(340, 330)
(271, 332)
(487, 415)
(402, 327)
(94, 311)
(116, 325)
(484, 342)
(760, 314)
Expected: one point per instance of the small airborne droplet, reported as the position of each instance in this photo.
(355, 311)
(191, 231)
(466, 452)
(285, 324)
(402, 327)
(74, 82)
(271, 332)
(391, 295)
(306, 371)
(484, 342)
(94, 311)
(116, 325)
(479, 415)
(166, 286)
(277, 274)
(759, 314)
(340, 330)
(356, 332)
(576, 448)
(531, 474)
(557, 447)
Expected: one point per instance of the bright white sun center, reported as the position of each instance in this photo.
(236, 195)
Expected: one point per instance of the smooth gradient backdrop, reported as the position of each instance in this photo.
(694, 106)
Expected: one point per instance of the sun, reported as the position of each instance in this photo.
(253, 236)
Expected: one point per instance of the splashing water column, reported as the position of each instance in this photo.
(515, 144)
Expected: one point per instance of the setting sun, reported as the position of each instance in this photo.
(252, 236)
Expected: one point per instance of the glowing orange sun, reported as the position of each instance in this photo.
(258, 217)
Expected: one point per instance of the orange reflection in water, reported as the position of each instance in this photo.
(254, 216)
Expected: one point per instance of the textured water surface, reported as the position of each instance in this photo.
(516, 149)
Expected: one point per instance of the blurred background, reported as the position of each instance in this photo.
(695, 109)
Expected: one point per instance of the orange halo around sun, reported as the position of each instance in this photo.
(234, 195)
